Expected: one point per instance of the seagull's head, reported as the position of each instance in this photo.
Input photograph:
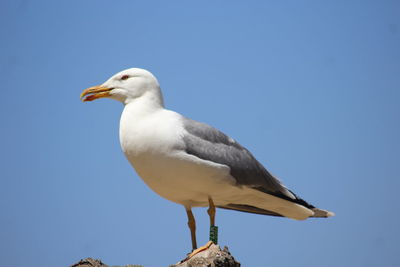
(125, 86)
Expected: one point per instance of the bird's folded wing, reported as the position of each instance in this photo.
(208, 143)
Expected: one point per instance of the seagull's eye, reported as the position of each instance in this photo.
(125, 77)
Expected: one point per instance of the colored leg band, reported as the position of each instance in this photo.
(214, 234)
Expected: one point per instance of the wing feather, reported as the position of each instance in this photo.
(211, 144)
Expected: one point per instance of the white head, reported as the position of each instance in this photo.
(127, 86)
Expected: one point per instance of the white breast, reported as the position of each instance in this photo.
(153, 145)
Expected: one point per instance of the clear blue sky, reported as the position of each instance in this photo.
(312, 88)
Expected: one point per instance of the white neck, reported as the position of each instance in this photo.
(140, 107)
(136, 112)
(150, 98)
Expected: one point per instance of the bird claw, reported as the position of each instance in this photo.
(198, 250)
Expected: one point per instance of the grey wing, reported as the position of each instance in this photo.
(208, 143)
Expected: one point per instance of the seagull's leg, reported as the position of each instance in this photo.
(192, 227)
(211, 213)
(213, 228)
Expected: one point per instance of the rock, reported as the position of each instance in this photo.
(211, 257)
(89, 262)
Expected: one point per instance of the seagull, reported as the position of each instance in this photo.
(189, 162)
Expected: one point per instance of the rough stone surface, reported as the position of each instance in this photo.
(212, 257)
(89, 262)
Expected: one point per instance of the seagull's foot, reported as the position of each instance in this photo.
(198, 250)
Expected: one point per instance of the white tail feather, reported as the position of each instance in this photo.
(322, 213)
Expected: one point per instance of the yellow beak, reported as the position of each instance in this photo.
(95, 92)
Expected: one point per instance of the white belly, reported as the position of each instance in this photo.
(183, 178)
